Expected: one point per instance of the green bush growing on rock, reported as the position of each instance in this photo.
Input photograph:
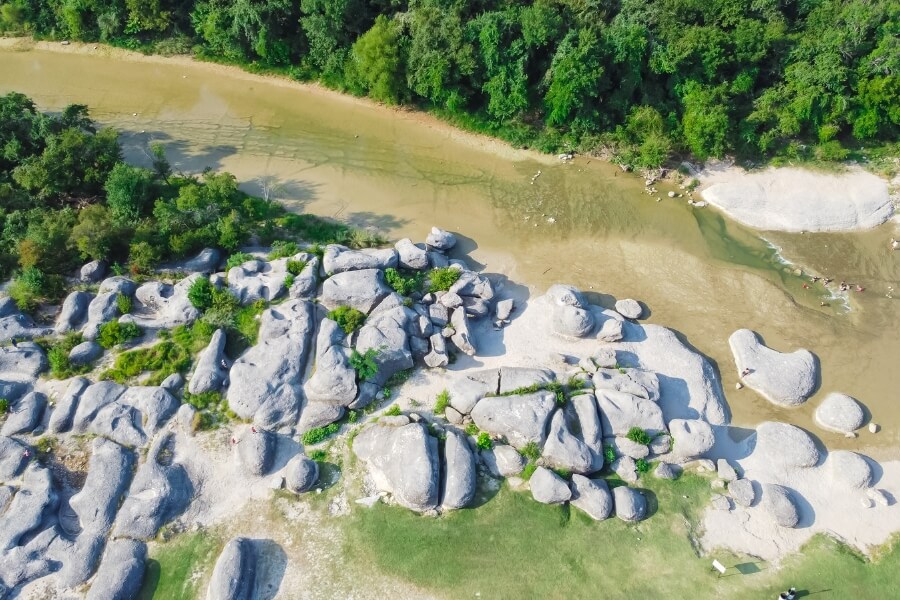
(115, 333)
(46, 445)
(282, 249)
(32, 286)
(319, 434)
(200, 294)
(318, 455)
(528, 471)
(472, 429)
(642, 466)
(531, 451)
(442, 278)
(393, 411)
(442, 402)
(403, 285)
(364, 364)
(638, 436)
(173, 354)
(124, 303)
(348, 318)
(352, 416)
(609, 454)
(4, 406)
(58, 355)
(237, 259)
(558, 391)
(484, 441)
(295, 267)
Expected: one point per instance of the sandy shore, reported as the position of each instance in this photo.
(794, 200)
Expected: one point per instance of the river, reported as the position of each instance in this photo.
(583, 223)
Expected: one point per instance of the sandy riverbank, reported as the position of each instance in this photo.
(796, 200)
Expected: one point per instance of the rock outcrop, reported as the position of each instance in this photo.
(210, 372)
(549, 488)
(458, 472)
(234, 575)
(630, 504)
(592, 496)
(840, 413)
(121, 571)
(783, 379)
(520, 419)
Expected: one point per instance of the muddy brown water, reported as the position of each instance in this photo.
(400, 172)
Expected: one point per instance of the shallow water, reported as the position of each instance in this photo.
(399, 173)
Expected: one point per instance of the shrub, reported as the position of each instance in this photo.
(201, 294)
(282, 249)
(442, 278)
(318, 455)
(642, 466)
(124, 304)
(472, 429)
(399, 378)
(442, 402)
(352, 416)
(484, 441)
(203, 401)
(319, 434)
(364, 364)
(531, 451)
(403, 285)
(393, 411)
(609, 453)
(31, 286)
(638, 436)
(115, 333)
(295, 267)
(348, 318)
(4, 406)
(288, 281)
(237, 259)
(564, 473)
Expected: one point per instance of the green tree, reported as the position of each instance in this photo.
(128, 192)
(376, 64)
(574, 78)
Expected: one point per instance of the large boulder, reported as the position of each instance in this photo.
(472, 285)
(784, 445)
(206, 262)
(307, 281)
(516, 379)
(211, 371)
(503, 461)
(93, 271)
(566, 295)
(458, 472)
(785, 379)
(461, 338)
(258, 280)
(102, 309)
(361, 290)
(572, 322)
(334, 381)
(585, 421)
(85, 353)
(24, 414)
(562, 450)
(849, 469)
(73, 311)
(549, 488)
(471, 386)
(163, 306)
(779, 505)
(92, 399)
(13, 458)
(840, 413)
(256, 450)
(265, 380)
(637, 382)
(27, 360)
(158, 494)
(403, 461)
(118, 284)
(109, 472)
(20, 327)
(64, 410)
(440, 239)
(619, 412)
(121, 571)
(591, 496)
(411, 256)
(35, 500)
(301, 474)
(630, 504)
(742, 492)
(316, 414)
(520, 419)
(387, 333)
(338, 259)
(234, 576)
(692, 438)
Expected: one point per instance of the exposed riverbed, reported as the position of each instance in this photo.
(582, 223)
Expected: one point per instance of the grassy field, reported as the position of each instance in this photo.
(179, 569)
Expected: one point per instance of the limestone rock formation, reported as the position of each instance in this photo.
(121, 571)
(785, 445)
(301, 474)
(630, 504)
(778, 503)
(361, 290)
(549, 488)
(503, 461)
(458, 472)
(849, 469)
(258, 280)
(234, 575)
(440, 239)
(73, 312)
(562, 450)
(591, 496)
(628, 308)
(619, 412)
(692, 438)
(785, 379)
(520, 419)
(840, 413)
(210, 372)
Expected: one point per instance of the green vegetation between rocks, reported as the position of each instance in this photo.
(442, 279)
(319, 434)
(58, 355)
(179, 569)
(639, 436)
(441, 402)
(364, 363)
(212, 410)
(348, 318)
(114, 333)
(173, 354)
(404, 283)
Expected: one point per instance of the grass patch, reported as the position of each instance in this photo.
(348, 318)
(172, 566)
(237, 259)
(4, 406)
(322, 231)
(404, 283)
(319, 434)
(174, 354)
(484, 441)
(58, 355)
(442, 278)
(283, 249)
(115, 333)
(393, 411)
(639, 436)
(295, 267)
(442, 402)
(531, 451)
(124, 304)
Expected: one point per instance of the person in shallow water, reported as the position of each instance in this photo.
(746, 372)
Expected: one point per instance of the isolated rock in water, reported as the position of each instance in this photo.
(234, 575)
(403, 461)
(362, 290)
(164, 306)
(205, 262)
(692, 438)
(572, 322)
(520, 419)
(637, 382)
(588, 427)
(34, 500)
(742, 492)
(849, 469)
(256, 450)
(470, 387)
(440, 239)
(549, 488)
(591, 496)
(783, 379)
(24, 414)
(840, 413)
(515, 379)
(306, 283)
(21, 327)
(411, 256)
(460, 338)
(628, 308)
(334, 381)
(258, 280)
(316, 414)
(12, 458)
(619, 412)
(157, 495)
(117, 284)
(387, 333)
(778, 503)
(265, 380)
(102, 309)
(93, 271)
(338, 259)
(210, 374)
(121, 571)
(301, 474)
(566, 295)
(666, 470)
(27, 360)
(458, 472)
(630, 504)
(109, 472)
(562, 450)
(85, 353)
(785, 445)
(64, 410)
(73, 312)
(503, 461)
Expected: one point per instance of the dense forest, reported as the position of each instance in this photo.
(805, 79)
(66, 197)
